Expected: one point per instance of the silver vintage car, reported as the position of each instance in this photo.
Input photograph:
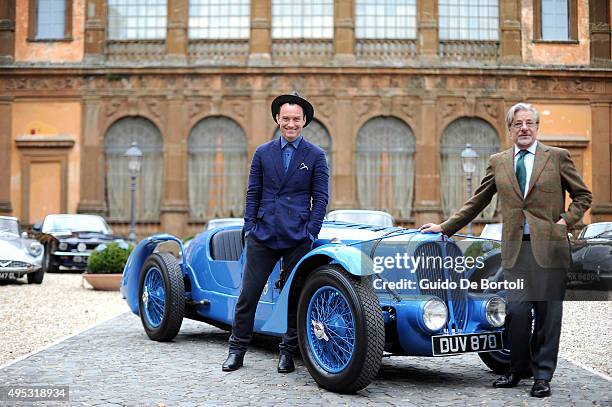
(19, 255)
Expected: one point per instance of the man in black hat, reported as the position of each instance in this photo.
(286, 200)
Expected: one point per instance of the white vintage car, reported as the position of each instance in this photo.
(19, 255)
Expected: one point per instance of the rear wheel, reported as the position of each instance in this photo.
(340, 329)
(161, 297)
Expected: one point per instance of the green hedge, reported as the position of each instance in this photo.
(110, 260)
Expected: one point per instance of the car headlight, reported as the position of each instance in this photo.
(81, 247)
(63, 246)
(435, 314)
(35, 249)
(495, 310)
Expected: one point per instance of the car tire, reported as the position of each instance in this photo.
(343, 351)
(36, 277)
(498, 361)
(161, 297)
(47, 262)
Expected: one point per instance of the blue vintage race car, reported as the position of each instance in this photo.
(347, 300)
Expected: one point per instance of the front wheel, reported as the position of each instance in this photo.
(340, 329)
(47, 263)
(161, 297)
(36, 277)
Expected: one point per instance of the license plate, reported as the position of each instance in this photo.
(457, 344)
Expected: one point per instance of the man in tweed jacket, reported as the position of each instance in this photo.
(531, 180)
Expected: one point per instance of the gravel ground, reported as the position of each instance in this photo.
(32, 316)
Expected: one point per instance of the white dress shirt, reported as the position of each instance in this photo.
(528, 160)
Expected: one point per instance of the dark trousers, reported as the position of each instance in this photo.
(260, 262)
(534, 348)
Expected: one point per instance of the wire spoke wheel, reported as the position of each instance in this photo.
(161, 300)
(340, 329)
(331, 334)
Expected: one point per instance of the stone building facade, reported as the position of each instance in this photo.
(392, 111)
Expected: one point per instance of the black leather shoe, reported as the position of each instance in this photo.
(285, 364)
(233, 362)
(509, 380)
(541, 388)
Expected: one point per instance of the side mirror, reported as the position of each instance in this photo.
(570, 236)
(37, 227)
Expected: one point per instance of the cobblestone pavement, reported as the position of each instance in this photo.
(116, 364)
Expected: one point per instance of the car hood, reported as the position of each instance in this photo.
(86, 237)
(11, 249)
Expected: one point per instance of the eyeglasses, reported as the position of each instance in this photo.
(528, 123)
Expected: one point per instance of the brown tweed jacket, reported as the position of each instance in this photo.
(553, 174)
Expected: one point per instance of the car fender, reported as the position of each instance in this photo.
(350, 258)
(133, 266)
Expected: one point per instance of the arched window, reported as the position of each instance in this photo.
(217, 169)
(117, 140)
(485, 141)
(317, 134)
(385, 166)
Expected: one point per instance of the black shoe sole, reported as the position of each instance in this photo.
(285, 370)
(230, 369)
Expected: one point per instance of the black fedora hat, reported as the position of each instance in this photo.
(296, 100)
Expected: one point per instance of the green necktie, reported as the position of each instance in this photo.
(521, 171)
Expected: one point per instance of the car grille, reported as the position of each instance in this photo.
(456, 300)
(13, 264)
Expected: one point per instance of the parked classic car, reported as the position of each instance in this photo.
(364, 216)
(346, 311)
(592, 256)
(221, 222)
(70, 239)
(19, 255)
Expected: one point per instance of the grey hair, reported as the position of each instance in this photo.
(517, 108)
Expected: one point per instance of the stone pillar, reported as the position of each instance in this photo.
(174, 208)
(599, 32)
(93, 172)
(344, 32)
(177, 42)
(510, 52)
(601, 118)
(427, 34)
(260, 40)
(6, 112)
(261, 120)
(95, 31)
(427, 202)
(343, 181)
(7, 31)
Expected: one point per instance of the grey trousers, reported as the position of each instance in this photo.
(534, 316)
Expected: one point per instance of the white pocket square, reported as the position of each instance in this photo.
(303, 167)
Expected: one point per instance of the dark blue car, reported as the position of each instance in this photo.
(348, 306)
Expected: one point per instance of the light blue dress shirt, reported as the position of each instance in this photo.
(287, 150)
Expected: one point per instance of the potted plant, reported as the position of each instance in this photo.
(105, 265)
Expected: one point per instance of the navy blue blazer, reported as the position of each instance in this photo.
(284, 209)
